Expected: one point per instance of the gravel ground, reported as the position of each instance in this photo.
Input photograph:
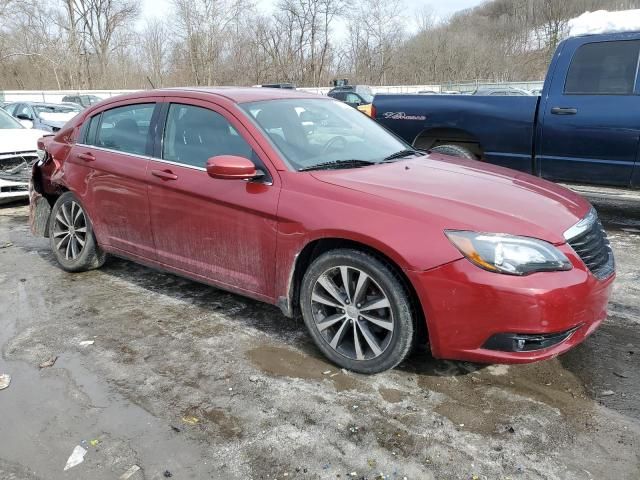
(193, 382)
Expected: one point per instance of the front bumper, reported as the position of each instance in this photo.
(466, 306)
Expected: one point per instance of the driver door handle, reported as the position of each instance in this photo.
(164, 174)
(564, 111)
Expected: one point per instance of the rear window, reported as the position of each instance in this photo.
(125, 128)
(603, 68)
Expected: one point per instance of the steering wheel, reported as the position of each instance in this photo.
(334, 143)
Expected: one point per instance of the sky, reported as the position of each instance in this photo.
(441, 8)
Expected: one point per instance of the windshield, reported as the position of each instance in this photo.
(8, 122)
(367, 97)
(310, 132)
(55, 109)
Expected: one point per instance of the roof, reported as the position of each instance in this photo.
(243, 94)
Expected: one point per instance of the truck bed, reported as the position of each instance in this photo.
(506, 124)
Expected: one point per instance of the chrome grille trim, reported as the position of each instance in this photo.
(589, 240)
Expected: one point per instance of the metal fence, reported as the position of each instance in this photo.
(472, 86)
(55, 96)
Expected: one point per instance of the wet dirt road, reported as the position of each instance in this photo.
(193, 382)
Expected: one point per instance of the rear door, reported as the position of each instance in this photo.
(591, 125)
(223, 231)
(112, 157)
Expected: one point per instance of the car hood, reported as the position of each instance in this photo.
(19, 140)
(467, 195)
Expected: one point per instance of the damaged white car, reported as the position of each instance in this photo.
(18, 151)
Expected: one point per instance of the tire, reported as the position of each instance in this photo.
(71, 236)
(453, 151)
(331, 318)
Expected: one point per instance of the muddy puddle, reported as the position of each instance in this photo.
(284, 362)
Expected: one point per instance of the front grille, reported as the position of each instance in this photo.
(17, 168)
(591, 244)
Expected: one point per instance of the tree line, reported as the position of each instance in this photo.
(106, 44)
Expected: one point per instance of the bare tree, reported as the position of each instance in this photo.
(101, 20)
(155, 49)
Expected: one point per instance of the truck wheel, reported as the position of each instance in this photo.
(454, 151)
(71, 236)
(357, 311)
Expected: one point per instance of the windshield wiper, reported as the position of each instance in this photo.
(335, 164)
(402, 153)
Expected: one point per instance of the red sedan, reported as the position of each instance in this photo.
(303, 202)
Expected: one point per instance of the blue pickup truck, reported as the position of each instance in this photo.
(584, 128)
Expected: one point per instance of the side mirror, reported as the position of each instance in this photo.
(23, 116)
(26, 123)
(232, 167)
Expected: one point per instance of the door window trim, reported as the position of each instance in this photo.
(144, 157)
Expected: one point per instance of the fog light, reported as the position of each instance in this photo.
(523, 342)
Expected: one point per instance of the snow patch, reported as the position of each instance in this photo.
(603, 21)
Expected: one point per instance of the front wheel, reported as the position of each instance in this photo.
(71, 236)
(357, 311)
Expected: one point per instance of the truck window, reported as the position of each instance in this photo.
(603, 68)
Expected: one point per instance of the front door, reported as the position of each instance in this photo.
(591, 126)
(220, 230)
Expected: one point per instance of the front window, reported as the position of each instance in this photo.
(194, 134)
(310, 132)
(8, 122)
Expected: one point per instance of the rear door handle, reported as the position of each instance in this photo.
(564, 111)
(87, 157)
(164, 174)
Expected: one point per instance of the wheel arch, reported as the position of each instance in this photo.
(431, 137)
(290, 304)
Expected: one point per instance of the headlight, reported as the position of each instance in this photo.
(507, 253)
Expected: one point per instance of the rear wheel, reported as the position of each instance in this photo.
(454, 151)
(357, 311)
(71, 236)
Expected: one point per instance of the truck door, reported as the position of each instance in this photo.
(590, 123)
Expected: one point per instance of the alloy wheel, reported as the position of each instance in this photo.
(352, 313)
(70, 230)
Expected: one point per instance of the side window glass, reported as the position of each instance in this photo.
(193, 134)
(10, 109)
(125, 128)
(603, 68)
(353, 98)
